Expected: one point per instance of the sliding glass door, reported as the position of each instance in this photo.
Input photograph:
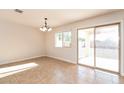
(99, 47)
(107, 47)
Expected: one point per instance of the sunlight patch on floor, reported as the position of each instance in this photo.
(6, 71)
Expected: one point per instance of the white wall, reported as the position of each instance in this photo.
(67, 54)
(70, 54)
(18, 42)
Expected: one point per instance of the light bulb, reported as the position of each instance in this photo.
(41, 28)
(44, 29)
(49, 29)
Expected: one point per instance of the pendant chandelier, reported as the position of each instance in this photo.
(45, 28)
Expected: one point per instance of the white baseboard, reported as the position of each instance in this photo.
(18, 60)
(23, 59)
(62, 59)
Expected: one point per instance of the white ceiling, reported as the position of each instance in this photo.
(56, 17)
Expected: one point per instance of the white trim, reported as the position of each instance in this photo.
(18, 60)
(62, 59)
(121, 48)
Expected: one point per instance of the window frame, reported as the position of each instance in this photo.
(102, 25)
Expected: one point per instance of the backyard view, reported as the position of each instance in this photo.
(106, 47)
(63, 39)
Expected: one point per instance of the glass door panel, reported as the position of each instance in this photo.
(86, 46)
(107, 47)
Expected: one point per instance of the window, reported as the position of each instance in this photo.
(63, 39)
(58, 39)
(66, 39)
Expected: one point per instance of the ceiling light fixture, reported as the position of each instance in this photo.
(45, 28)
(18, 11)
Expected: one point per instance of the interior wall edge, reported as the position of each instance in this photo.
(62, 59)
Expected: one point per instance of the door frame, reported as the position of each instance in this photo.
(119, 49)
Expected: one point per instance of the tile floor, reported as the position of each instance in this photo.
(52, 71)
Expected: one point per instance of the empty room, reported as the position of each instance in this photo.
(61, 46)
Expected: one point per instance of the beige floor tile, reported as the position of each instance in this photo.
(52, 71)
